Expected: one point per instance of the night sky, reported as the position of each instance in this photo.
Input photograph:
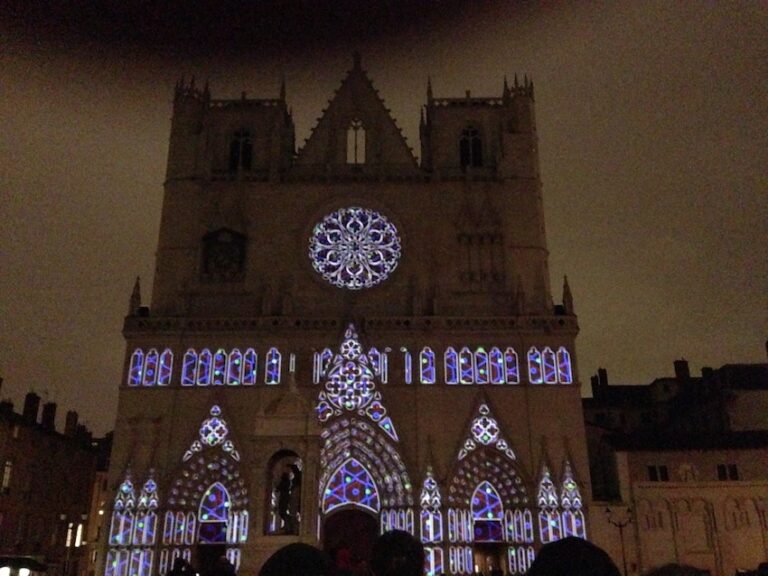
(653, 132)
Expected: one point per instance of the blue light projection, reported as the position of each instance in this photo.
(549, 517)
(136, 367)
(351, 484)
(235, 368)
(466, 366)
(496, 361)
(273, 367)
(189, 368)
(486, 503)
(549, 364)
(150, 368)
(570, 501)
(166, 368)
(250, 363)
(451, 366)
(427, 366)
(204, 368)
(481, 366)
(564, 366)
(354, 248)
(213, 515)
(513, 372)
(219, 367)
(534, 366)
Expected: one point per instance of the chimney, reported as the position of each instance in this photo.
(682, 372)
(49, 416)
(707, 372)
(70, 426)
(31, 408)
(6, 407)
(602, 374)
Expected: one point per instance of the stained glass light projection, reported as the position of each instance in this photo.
(354, 248)
(431, 525)
(132, 530)
(350, 386)
(214, 514)
(570, 502)
(549, 516)
(351, 484)
(487, 513)
(213, 432)
(485, 431)
(150, 369)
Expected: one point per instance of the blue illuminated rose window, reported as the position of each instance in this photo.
(354, 248)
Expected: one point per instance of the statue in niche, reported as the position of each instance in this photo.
(286, 496)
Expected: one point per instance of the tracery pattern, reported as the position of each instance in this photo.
(233, 368)
(570, 501)
(213, 432)
(354, 248)
(485, 431)
(549, 516)
(431, 524)
(481, 366)
(351, 483)
(132, 530)
(150, 369)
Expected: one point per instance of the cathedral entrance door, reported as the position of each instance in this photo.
(351, 529)
(490, 557)
(206, 557)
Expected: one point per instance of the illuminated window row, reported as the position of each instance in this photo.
(231, 368)
(323, 360)
(150, 369)
(490, 366)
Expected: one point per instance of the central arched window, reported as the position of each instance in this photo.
(471, 148)
(240, 151)
(356, 143)
(487, 514)
(213, 515)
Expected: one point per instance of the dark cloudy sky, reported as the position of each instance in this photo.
(653, 136)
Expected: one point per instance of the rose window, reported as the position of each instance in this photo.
(354, 248)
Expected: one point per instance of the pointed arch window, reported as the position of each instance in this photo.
(273, 367)
(564, 366)
(285, 481)
(431, 523)
(466, 366)
(219, 367)
(240, 151)
(189, 368)
(121, 527)
(351, 484)
(487, 514)
(427, 365)
(549, 366)
(570, 502)
(204, 368)
(451, 366)
(213, 515)
(165, 370)
(549, 516)
(150, 368)
(481, 366)
(535, 375)
(249, 367)
(235, 368)
(471, 148)
(356, 143)
(136, 367)
(513, 371)
(496, 363)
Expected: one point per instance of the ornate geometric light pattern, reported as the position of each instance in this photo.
(354, 248)
(570, 501)
(213, 432)
(549, 517)
(351, 484)
(214, 514)
(485, 431)
(486, 503)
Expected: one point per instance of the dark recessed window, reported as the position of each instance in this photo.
(727, 472)
(223, 256)
(658, 473)
(240, 151)
(471, 148)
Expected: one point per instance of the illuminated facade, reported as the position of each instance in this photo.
(346, 332)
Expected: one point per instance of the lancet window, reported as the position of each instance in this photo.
(322, 361)
(549, 367)
(132, 531)
(549, 515)
(481, 366)
(356, 143)
(571, 504)
(427, 373)
(351, 483)
(233, 368)
(431, 524)
(470, 148)
(240, 151)
(152, 368)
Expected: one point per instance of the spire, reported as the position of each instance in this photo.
(135, 301)
(282, 88)
(356, 61)
(429, 90)
(567, 297)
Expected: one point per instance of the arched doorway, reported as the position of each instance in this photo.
(353, 529)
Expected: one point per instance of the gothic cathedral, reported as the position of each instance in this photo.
(346, 340)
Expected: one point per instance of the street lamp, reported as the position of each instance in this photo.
(620, 524)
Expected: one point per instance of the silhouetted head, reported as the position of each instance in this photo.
(297, 560)
(397, 553)
(675, 570)
(572, 557)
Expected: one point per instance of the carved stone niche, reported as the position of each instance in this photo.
(290, 414)
(223, 254)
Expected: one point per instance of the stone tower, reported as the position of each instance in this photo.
(344, 340)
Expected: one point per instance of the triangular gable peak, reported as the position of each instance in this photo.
(484, 430)
(351, 386)
(356, 135)
(213, 432)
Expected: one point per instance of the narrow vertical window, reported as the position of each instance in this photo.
(240, 151)
(481, 366)
(466, 366)
(513, 371)
(235, 368)
(451, 366)
(150, 368)
(7, 471)
(496, 362)
(534, 366)
(204, 368)
(273, 367)
(165, 370)
(356, 143)
(219, 367)
(407, 365)
(470, 148)
(549, 366)
(134, 372)
(427, 365)
(189, 368)
(564, 366)
(249, 367)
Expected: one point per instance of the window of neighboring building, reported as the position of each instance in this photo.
(471, 148)
(727, 472)
(7, 470)
(16, 430)
(356, 143)
(658, 473)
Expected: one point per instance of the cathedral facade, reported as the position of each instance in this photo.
(346, 340)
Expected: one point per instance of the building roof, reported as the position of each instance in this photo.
(668, 442)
